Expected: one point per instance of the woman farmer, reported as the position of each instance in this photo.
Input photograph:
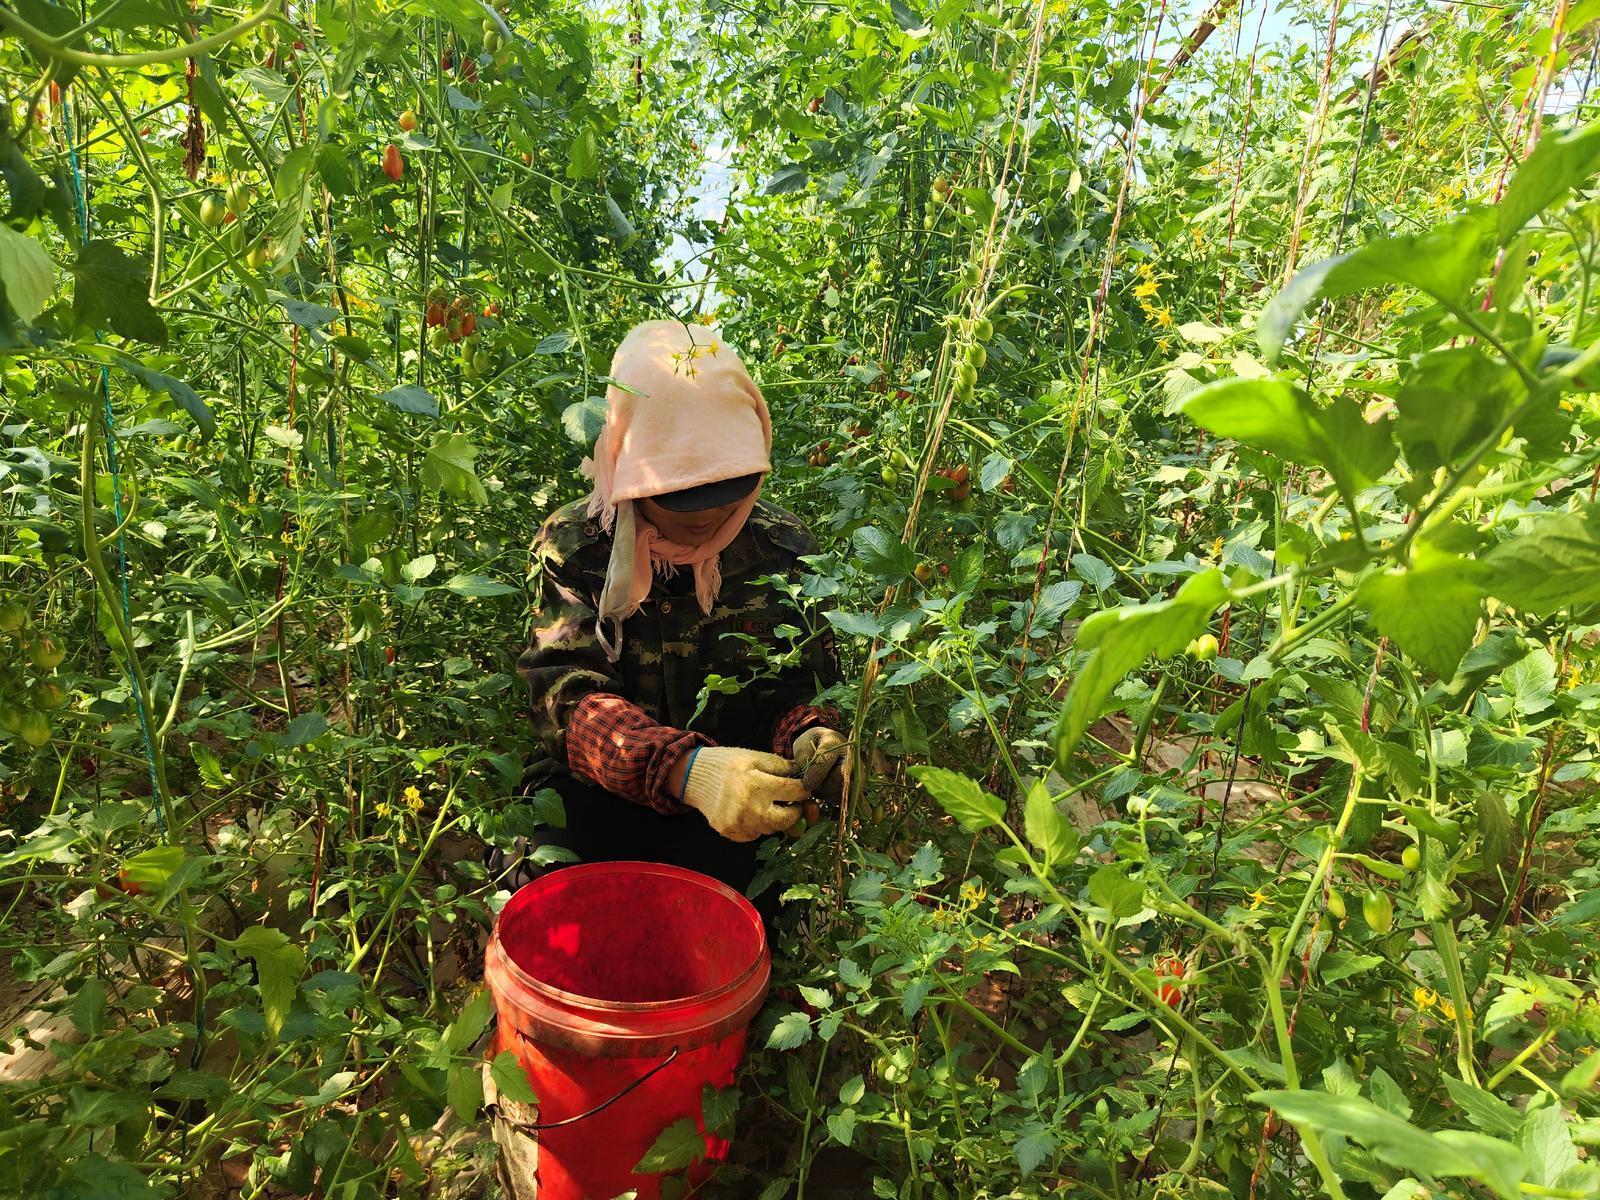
(650, 586)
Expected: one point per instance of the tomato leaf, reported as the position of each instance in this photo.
(1049, 832)
(1119, 639)
(511, 1079)
(963, 798)
(678, 1145)
(112, 291)
(1429, 609)
(1559, 163)
(279, 965)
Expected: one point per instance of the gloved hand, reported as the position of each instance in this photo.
(823, 757)
(743, 794)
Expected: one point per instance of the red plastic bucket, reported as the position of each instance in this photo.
(608, 974)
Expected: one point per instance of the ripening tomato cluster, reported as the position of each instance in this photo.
(961, 476)
(455, 318)
(29, 691)
(1169, 980)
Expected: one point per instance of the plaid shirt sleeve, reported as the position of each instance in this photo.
(799, 719)
(612, 743)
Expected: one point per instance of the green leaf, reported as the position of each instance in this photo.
(1048, 831)
(447, 468)
(1494, 827)
(409, 398)
(1583, 1077)
(583, 154)
(96, 1108)
(1265, 413)
(151, 868)
(961, 797)
(1429, 609)
(718, 1106)
(511, 1079)
(88, 1010)
(842, 1126)
(307, 727)
(1443, 261)
(883, 554)
(306, 314)
(793, 1029)
(469, 1023)
(1271, 415)
(1558, 164)
(790, 178)
(111, 290)
(1449, 401)
(1112, 890)
(1484, 1109)
(26, 273)
(854, 624)
(478, 585)
(1341, 964)
(678, 1145)
(463, 1088)
(291, 188)
(1119, 639)
(1032, 1149)
(1555, 566)
(1545, 1139)
(279, 965)
(186, 397)
(1400, 1143)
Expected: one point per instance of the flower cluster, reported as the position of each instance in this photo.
(1145, 292)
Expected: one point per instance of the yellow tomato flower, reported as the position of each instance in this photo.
(1424, 998)
(1148, 288)
(1258, 898)
(413, 798)
(972, 894)
(1162, 317)
(383, 810)
(1447, 1010)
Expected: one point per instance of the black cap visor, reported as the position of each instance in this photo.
(709, 495)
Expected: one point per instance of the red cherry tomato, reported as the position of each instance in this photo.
(1169, 970)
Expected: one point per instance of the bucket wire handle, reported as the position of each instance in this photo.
(526, 1127)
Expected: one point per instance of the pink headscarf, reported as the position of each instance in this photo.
(681, 411)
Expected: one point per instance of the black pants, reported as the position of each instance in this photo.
(603, 827)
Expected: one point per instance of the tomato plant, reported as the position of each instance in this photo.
(1193, 406)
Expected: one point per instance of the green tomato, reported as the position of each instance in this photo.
(45, 652)
(976, 354)
(237, 199)
(213, 212)
(1204, 648)
(482, 361)
(1378, 911)
(47, 694)
(1411, 858)
(34, 729)
(10, 718)
(438, 337)
(12, 616)
(888, 475)
(967, 375)
(983, 329)
(901, 459)
(1336, 904)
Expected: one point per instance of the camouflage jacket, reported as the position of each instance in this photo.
(669, 647)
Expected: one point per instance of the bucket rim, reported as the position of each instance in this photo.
(579, 999)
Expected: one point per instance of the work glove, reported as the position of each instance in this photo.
(743, 794)
(822, 756)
